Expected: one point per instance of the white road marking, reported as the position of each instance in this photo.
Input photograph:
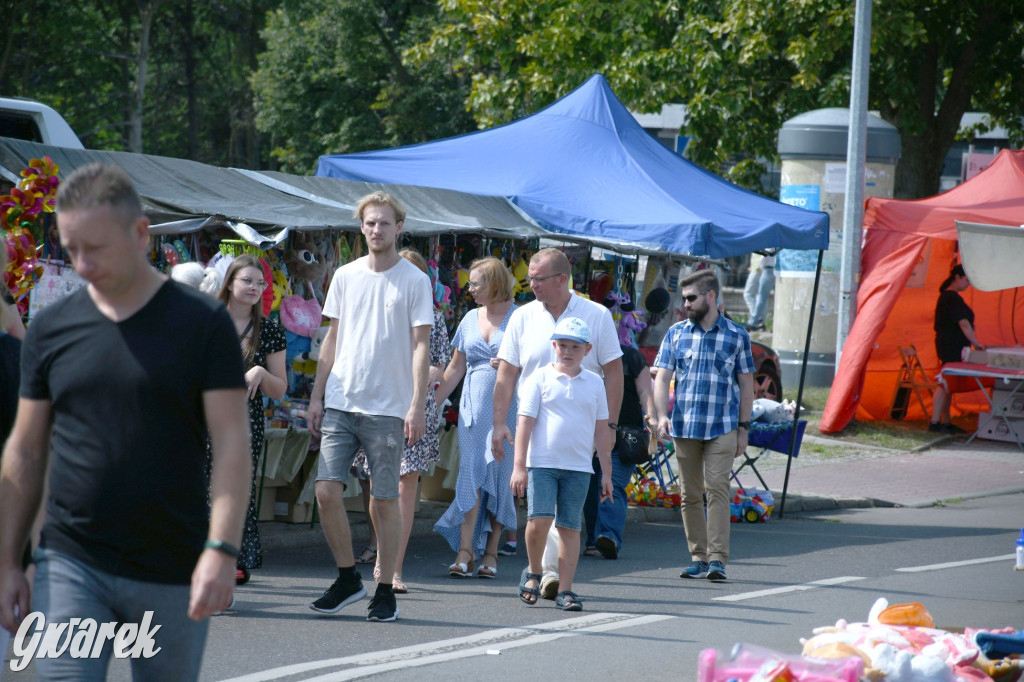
(955, 564)
(479, 644)
(789, 588)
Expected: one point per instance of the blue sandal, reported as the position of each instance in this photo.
(569, 601)
(529, 595)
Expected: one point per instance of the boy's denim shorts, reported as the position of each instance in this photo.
(558, 493)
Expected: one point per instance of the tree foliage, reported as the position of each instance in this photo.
(179, 90)
(332, 79)
(743, 67)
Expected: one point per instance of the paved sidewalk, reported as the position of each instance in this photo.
(863, 477)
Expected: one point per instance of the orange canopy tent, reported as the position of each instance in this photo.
(909, 248)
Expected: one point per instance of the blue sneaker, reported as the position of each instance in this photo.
(698, 569)
(716, 571)
(508, 549)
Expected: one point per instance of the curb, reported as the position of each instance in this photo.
(278, 535)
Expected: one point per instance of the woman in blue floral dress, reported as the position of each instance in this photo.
(483, 483)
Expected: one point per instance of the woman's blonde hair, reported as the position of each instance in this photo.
(497, 280)
(416, 258)
(252, 342)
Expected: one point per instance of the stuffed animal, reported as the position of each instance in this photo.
(306, 264)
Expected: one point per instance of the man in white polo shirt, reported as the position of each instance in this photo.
(526, 347)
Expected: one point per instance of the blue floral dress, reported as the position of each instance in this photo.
(476, 411)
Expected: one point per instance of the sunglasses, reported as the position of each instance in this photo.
(693, 297)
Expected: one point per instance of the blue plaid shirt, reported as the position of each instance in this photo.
(706, 364)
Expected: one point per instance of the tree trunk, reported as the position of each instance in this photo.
(146, 13)
(191, 87)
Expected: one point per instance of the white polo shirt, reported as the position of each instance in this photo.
(567, 409)
(527, 340)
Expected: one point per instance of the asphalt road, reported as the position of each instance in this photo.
(640, 619)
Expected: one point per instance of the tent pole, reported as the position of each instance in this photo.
(800, 390)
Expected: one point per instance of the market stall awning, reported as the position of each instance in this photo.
(182, 196)
(584, 168)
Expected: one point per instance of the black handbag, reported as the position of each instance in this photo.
(631, 445)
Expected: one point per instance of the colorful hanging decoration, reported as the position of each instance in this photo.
(21, 223)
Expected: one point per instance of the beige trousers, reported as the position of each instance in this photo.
(704, 467)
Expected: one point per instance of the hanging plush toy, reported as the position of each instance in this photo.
(305, 265)
(522, 276)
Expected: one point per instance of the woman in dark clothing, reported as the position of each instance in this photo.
(954, 331)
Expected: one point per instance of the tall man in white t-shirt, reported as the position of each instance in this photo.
(526, 347)
(370, 392)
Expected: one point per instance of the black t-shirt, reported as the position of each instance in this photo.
(10, 353)
(950, 339)
(127, 485)
(633, 366)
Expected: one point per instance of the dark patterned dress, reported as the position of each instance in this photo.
(272, 340)
(427, 450)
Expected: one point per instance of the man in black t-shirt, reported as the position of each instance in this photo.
(605, 522)
(120, 382)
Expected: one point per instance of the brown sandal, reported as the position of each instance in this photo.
(485, 571)
(462, 569)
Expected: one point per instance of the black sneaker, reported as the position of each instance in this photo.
(508, 549)
(383, 607)
(954, 430)
(339, 595)
(936, 427)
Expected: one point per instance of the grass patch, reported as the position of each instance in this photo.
(895, 435)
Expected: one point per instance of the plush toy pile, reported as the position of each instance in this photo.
(898, 643)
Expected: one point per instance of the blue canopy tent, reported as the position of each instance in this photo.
(585, 167)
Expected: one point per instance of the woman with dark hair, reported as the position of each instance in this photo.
(263, 349)
(954, 331)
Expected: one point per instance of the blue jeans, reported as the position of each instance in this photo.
(65, 588)
(607, 519)
(764, 290)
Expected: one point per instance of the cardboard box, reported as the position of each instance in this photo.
(997, 429)
(266, 511)
(1011, 407)
(295, 513)
(432, 488)
(1006, 358)
(979, 357)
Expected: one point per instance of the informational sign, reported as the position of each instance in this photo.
(835, 178)
(56, 282)
(802, 196)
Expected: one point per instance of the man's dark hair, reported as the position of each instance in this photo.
(704, 280)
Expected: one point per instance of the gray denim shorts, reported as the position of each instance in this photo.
(383, 439)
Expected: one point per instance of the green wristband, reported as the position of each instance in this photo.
(222, 546)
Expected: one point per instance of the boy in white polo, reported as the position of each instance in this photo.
(553, 453)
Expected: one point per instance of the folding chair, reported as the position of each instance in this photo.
(776, 436)
(658, 468)
(912, 379)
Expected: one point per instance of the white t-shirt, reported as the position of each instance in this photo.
(376, 312)
(527, 340)
(566, 409)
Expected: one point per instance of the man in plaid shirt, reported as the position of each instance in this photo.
(709, 358)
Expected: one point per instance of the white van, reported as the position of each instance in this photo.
(26, 119)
